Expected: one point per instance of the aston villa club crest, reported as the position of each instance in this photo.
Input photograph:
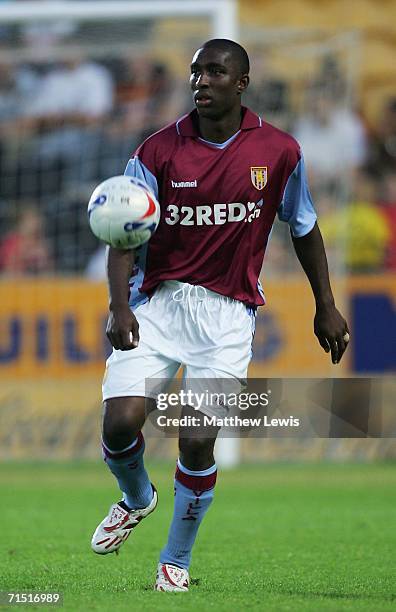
(259, 176)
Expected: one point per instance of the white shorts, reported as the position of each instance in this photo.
(207, 333)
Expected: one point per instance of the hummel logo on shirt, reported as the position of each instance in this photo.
(185, 183)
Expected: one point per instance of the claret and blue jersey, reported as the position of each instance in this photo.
(218, 204)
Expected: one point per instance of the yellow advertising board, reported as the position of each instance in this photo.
(54, 329)
(284, 343)
(53, 348)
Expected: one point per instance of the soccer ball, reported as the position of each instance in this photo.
(123, 212)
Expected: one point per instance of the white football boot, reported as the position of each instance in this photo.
(171, 578)
(117, 526)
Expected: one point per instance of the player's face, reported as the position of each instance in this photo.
(216, 82)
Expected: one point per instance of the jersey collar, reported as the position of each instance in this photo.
(188, 125)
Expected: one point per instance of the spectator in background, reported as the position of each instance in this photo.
(387, 206)
(66, 115)
(166, 100)
(331, 78)
(25, 250)
(132, 92)
(382, 145)
(269, 95)
(148, 96)
(332, 137)
(360, 235)
(77, 90)
(9, 100)
(96, 267)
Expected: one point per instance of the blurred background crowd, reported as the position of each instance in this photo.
(71, 114)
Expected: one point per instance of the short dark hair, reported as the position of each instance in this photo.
(237, 52)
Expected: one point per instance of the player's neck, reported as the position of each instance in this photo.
(220, 130)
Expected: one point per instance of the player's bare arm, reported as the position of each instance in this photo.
(330, 327)
(122, 327)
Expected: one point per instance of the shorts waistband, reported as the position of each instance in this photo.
(200, 291)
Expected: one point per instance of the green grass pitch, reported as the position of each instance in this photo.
(278, 537)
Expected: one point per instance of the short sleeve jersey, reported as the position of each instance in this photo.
(218, 204)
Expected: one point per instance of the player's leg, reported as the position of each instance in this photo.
(195, 479)
(123, 448)
(130, 378)
(217, 353)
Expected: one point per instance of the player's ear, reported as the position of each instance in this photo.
(243, 83)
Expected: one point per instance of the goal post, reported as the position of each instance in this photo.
(222, 13)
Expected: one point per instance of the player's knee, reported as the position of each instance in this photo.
(121, 423)
(119, 430)
(196, 453)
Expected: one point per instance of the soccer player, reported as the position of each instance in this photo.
(189, 296)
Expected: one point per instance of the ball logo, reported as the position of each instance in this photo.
(131, 226)
(100, 200)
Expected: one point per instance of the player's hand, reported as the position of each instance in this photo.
(122, 328)
(332, 331)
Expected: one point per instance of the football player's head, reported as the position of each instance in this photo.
(219, 76)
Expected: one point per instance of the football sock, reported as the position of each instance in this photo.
(193, 496)
(128, 467)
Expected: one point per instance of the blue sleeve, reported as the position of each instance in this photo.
(296, 207)
(137, 169)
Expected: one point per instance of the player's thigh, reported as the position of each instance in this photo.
(132, 381)
(140, 372)
(223, 339)
(145, 370)
(234, 342)
(210, 391)
(219, 369)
